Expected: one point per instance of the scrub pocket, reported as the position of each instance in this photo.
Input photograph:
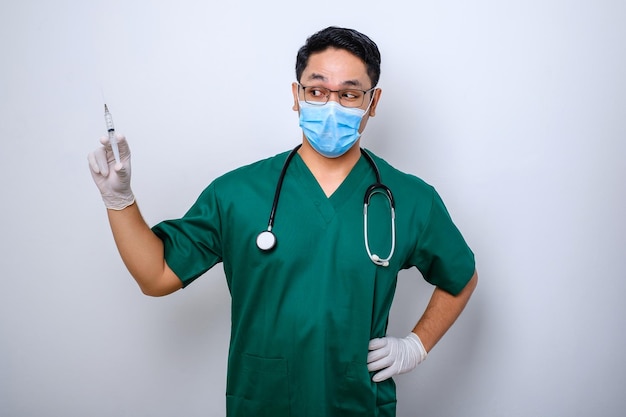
(257, 387)
(356, 393)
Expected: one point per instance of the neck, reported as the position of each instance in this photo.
(329, 172)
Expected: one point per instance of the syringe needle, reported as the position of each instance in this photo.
(111, 131)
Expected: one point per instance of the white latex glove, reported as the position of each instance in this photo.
(112, 179)
(393, 356)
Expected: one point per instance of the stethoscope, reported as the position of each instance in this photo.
(266, 240)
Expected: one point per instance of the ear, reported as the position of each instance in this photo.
(294, 90)
(375, 99)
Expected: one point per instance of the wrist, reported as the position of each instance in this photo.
(417, 346)
(118, 201)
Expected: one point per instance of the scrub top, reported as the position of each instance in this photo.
(303, 314)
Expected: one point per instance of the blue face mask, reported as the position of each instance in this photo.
(331, 129)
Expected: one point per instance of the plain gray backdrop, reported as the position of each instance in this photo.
(515, 111)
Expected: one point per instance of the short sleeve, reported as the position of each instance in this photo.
(442, 255)
(192, 244)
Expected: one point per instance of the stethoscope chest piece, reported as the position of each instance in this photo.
(266, 240)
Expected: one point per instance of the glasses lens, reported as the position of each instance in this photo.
(316, 95)
(351, 98)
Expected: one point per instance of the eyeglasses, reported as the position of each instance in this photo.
(349, 97)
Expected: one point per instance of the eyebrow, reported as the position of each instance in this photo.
(347, 83)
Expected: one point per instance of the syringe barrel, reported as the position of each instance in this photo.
(109, 121)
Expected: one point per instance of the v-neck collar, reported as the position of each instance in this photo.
(353, 183)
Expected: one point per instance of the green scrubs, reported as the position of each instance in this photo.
(303, 314)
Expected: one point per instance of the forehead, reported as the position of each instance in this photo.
(336, 67)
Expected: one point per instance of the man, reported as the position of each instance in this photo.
(311, 294)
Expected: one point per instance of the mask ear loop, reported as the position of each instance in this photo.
(367, 109)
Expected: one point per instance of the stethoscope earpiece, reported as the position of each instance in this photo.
(376, 259)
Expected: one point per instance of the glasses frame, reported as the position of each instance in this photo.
(320, 103)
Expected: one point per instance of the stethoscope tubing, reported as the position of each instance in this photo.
(279, 187)
(380, 189)
(266, 240)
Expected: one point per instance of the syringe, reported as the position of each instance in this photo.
(112, 139)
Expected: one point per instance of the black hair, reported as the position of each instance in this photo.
(341, 38)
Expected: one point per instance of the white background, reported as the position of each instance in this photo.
(515, 111)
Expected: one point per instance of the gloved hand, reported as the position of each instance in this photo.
(112, 179)
(393, 356)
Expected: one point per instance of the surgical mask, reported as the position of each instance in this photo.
(331, 129)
